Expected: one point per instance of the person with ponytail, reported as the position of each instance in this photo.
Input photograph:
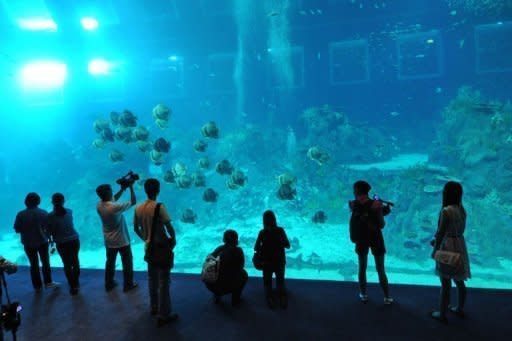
(63, 234)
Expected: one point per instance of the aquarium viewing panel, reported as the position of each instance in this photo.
(349, 62)
(493, 44)
(420, 55)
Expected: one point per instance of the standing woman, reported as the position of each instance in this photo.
(450, 253)
(270, 247)
(63, 233)
(32, 225)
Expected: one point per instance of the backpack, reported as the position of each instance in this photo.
(360, 221)
(211, 269)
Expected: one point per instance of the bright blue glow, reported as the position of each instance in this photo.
(173, 58)
(89, 23)
(99, 67)
(43, 75)
(37, 24)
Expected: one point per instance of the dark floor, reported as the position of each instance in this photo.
(318, 310)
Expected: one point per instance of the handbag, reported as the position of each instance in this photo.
(447, 257)
(257, 261)
(159, 253)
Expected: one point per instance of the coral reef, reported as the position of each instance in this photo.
(329, 128)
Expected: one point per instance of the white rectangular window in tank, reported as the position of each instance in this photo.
(286, 67)
(420, 55)
(349, 62)
(493, 45)
(221, 70)
(166, 77)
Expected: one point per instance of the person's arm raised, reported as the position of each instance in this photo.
(119, 193)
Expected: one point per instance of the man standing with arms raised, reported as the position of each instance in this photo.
(115, 233)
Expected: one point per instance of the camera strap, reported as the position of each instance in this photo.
(4, 284)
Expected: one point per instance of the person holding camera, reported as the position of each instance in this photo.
(450, 252)
(9, 313)
(115, 232)
(62, 232)
(366, 224)
(232, 276)
(32, 224)
(152, 224)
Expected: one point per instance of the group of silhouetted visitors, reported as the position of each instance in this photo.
(224, 269)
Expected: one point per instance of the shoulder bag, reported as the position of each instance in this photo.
(159, 253)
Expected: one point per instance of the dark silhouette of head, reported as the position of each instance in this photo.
(231, 238)
(104, 192)
(32, 200)
(452, 194)
(269, 220)
(58, 204)
(361, 188)
(152, 188)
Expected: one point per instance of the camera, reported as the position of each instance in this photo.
(10, 316)
(386, 208)
(128, 180)
(8, 267)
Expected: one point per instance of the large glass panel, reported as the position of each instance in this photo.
(241, 106)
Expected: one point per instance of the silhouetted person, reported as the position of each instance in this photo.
(8, 268)
(62, 232)
(366, 223)
(270, 245)
(159, 267)
(32, 224)
(115, 233)
(450, 237)
(232, 276)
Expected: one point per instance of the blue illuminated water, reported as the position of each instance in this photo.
(405, 94)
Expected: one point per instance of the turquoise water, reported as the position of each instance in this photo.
(307, 96)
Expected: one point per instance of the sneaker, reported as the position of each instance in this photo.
(134, 285)
(110, 287)
(436, 315)
(51, 285)
(363, 298)
(388, 300)
(457, 311)
(73, 291)
(166, 320)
